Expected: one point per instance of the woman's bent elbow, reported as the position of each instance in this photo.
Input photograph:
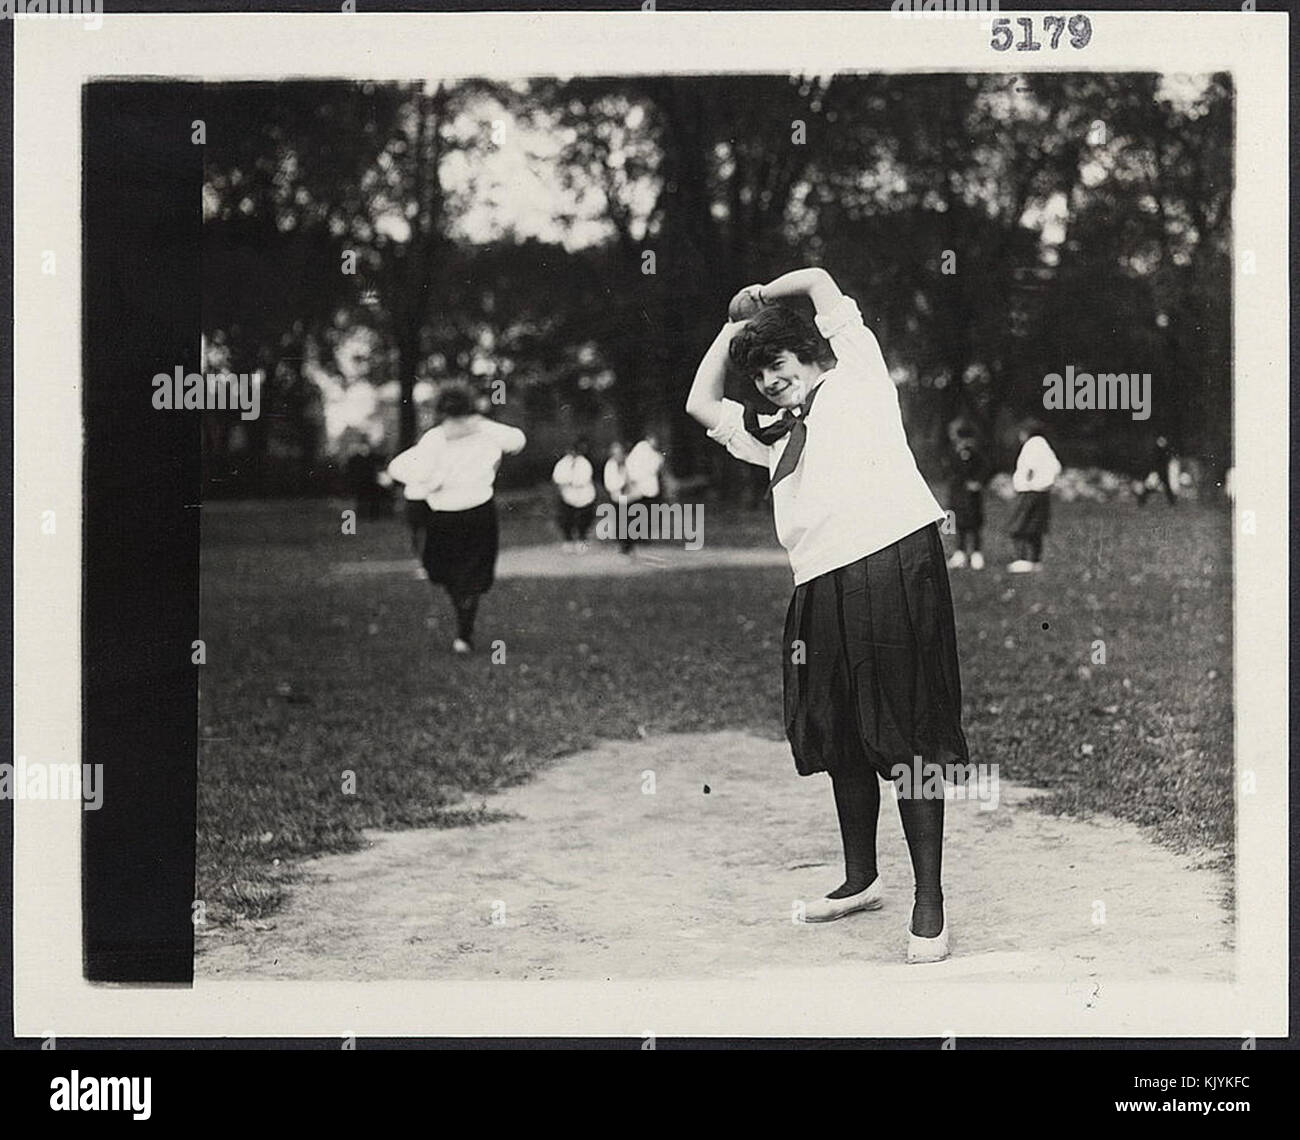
(704, 412)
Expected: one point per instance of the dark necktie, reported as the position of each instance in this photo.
(796, 427)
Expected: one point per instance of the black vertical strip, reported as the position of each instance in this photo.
(6, 522)
(141, 202)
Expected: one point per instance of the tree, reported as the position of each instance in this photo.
(696, 175)
(285, 172)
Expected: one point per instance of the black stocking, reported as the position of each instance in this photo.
(923, 826)
(857, 802)
(466, 606)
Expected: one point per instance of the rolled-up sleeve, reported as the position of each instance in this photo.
(730, 432)
(510, 439)
(412, 466)
(857, 352)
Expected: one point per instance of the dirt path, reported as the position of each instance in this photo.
(597, 879)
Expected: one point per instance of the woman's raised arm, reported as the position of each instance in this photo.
(813, 282)
(704, 401)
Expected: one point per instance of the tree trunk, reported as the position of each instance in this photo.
(407, 366)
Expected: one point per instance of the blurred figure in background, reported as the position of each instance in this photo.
(970, 471)
(575, 481)
(1163, 473)
(456, 464)
(368, 483)
(1036, 470)
(645, 463)
(617, 485)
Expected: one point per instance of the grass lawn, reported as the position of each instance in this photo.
(312, 675)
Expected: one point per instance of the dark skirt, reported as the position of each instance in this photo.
(966, 505)
(417, 513)
(877, 682)
(579, 518)
(1032, 513)
(460, 549)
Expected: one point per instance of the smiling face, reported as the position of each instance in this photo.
(781, 353)
(787, 381)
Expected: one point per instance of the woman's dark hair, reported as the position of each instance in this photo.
(769, 333)
(455, 399)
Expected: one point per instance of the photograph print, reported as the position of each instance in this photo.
(539, 579)
(783, 540)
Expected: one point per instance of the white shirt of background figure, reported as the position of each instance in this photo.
(1037, 466)
(616, 478)
(456, 462)
(644, 463)
(576, 480)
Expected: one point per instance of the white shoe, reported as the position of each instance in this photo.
(1037, 566)
(460, 645)
(828, 910)
(958, 560)
(934, 949)
(1020, 566)
(977, 561)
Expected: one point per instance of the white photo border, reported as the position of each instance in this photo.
(54, 59)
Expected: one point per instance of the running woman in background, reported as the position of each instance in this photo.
(576, 485)
(618, 485)
(970, 472)
(456, 463)
(645, 463)
(1162, 474)
(1036, 470)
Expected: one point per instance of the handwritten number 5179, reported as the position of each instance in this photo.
(1080, 28)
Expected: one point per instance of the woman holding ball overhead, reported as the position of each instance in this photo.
(869, 655)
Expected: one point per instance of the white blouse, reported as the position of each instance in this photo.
(456, 462)
(857, 488)
(575, 479)
(1036, 467)
(643, 466)
(616, 478)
